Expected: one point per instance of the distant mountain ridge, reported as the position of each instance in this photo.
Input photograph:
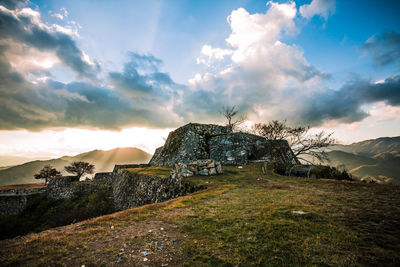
(376, 159)
(7, 161)
(103, 161)
(374, 146)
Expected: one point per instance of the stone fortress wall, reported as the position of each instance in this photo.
(207, 141)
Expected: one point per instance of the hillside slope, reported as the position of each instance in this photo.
(244, 218)
(372, 147)
(13, 160)
(382, 168)
(377, 159)
(103, 161)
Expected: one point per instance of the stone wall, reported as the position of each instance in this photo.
(16, 203)
(204, 141)
(67, 187)
(199, 167)
(237, 148)
(187, 143)
(103, 176)
(132, 190)
(22, 191)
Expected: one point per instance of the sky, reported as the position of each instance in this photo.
(82, 75)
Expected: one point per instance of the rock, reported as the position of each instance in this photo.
(211, 164)
(212, 171)
(145, 253)
(298, 212)
(203, 172)
(199, 167)
(218, 167)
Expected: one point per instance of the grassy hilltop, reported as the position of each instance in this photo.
(243, 218)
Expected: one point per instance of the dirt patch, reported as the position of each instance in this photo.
(279, 187)
(151, 243)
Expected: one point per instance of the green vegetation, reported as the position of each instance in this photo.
(162, 172)
(246, 217)
(49, 213)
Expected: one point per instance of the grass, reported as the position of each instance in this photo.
(162, 172)
(243, 218)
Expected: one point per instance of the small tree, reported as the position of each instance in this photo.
(229, 113)
(300, 140)
(79, 168)
(47, 172)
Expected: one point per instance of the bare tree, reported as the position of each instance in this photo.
(229, 113)
(79, 168)
(47, 172)
(301, 141)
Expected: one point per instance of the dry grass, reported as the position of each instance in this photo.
(162, 172)
(244, 218)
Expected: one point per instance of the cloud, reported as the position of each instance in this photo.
(211, 54)
(323, 8)
(261, 69)
(385, 48)
(345, 105)
(135, 98)
(24, 26)
(260, 73)
(269, 79)
(12, 4)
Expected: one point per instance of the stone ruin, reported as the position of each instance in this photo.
(199, 167)
(193, 149)
(195, 141)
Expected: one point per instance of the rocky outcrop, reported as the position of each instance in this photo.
(207, 141)
(199, 167)
(131, 189)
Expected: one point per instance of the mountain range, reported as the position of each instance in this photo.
(374, 160)
(103, 160)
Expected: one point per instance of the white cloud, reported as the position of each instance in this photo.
(263, 75)
(323, 8)
(64, 11)
(213, 54)
(58, 16)
(384, 112)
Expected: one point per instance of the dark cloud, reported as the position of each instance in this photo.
(13, 4)
(345, 104)
(385, 49)
(26, 105)
(23, 27)
(141, 79)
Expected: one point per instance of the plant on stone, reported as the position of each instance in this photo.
(229, 113)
